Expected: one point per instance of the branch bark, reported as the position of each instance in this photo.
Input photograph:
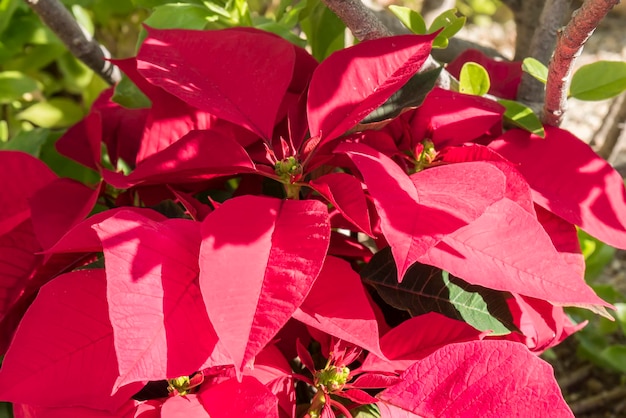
(54, 14)
(569, 45)
(531, 91)
(365, 25)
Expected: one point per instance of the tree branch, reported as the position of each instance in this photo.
(531, 90)
(80, 44)
(569, 45)
(365, 25)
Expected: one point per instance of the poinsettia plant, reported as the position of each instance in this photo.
(257, 247)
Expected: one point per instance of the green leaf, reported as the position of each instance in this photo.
(84, 20)
(179, 16)
(597, 255)
(474, 79)
(76, 75)
(27, 141)
(127, 94)
(615, 357)
(323, 29)
(15, 85)
(411, 95)
(63, 166)
(282, 31)
(366, 411)
(38, 56)
(428, 289)
(522, 116)
(536, 69)
(7, 8)
(58, 112)
(599, 80)
(620, 316)
(450, 23)
(409, 18)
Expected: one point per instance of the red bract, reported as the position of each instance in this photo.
(222, 279)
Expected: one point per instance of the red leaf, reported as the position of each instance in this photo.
(188, 406)
(82, 237)
(170, 59)
(272, 369)
(259, 257)
(29, 411)
(352, 82)
(569, 179)
(345, 192)
(479, 379)
(82, 141)
(428, 332)
(338, 305)
(197, 156)
(450, 118)
(19, 258)
(59, 206)
(63, 353)
(517, 189)
(21, 175)
(417, 212)
(358, 396)
(248, 398)
(505, 76)
(487, 253)
(160, 324)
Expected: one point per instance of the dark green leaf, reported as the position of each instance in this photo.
(323, 29)
(27, 141)
(7, 8)
(522, 116)
(411, 95)
(128, 95)
(15, 85)
(428, 289)
(599, 80)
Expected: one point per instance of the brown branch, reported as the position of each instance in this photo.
(611, 130)
(365, 25)
(596, 401)
(569, 45)
(81, 45)
(541, 47)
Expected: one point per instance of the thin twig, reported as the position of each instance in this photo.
(569, 45)
(54, 14)
(365, 25)
(541, 47)
(600, 399)
(574, 377)
(611, 130)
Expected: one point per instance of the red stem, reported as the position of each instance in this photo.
(569, 45)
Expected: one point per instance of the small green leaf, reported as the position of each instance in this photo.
(366, 411)
(597, 255)
(76, 75)
(409, 18)
(15, 85)
(599, 81)
(522, 116)
(450, 23)
(27, 141)
(535, 68)
(7, 8)
(474, 79)
(58, 112)
(127, 94)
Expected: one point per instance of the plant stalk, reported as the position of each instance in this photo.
(54, 14)
(569, 45)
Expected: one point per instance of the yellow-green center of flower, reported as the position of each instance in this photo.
(332, 378)
(289, 170)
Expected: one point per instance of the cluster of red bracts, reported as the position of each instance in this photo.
(252, 305)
